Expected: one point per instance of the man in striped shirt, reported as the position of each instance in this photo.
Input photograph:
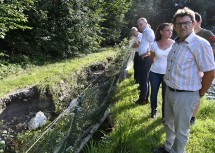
(189, 55)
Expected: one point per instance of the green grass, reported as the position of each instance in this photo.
(51, 73)
(135, 132)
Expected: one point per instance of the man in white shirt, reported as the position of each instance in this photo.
(135, 45)
(145, 60)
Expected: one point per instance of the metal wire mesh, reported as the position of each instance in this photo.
(69, 130)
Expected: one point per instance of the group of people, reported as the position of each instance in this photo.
(184, 67)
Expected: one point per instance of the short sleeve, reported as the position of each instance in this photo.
(152, 48)
(151, 35)
(209, 36)
(205, 58)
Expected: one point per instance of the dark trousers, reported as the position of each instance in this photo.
(143, 70)
(156, 80)
(135, 66)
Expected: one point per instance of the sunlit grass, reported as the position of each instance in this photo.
(135, 132)
(52, 73)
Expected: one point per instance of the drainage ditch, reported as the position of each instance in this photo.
(16, 109)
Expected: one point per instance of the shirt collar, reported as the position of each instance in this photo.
(189, 39)
(146, 28)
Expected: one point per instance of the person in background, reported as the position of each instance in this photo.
(206, 34)
(189, 55)
(209, 36)
(145, 60)
(159, 52)
(135, 45)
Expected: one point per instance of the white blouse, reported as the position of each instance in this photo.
(160, 62)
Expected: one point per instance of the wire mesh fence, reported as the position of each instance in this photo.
(70, 128)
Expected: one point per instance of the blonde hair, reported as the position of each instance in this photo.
(134, 29)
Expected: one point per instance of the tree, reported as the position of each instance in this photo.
(59, 29)
(115, 21)
(12, 15)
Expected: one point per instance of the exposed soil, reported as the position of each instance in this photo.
(16, 109)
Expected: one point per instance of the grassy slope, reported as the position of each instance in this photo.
(135, 132)
(52, 73)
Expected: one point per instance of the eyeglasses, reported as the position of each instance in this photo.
(186, 24)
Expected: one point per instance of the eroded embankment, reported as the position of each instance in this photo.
(16, 109)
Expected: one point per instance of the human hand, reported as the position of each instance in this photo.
(201, 95)
(136, 45)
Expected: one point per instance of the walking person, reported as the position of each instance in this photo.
(145, 60)
(209, 36)
(159, 52)
(189, 55)
(135, 45)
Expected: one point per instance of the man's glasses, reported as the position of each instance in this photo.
(186, 24)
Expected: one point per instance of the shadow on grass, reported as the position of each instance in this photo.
(135, 136)
(134, 130)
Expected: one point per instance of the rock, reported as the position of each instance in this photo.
(38, 121)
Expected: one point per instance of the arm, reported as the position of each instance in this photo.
(153, 56)
(151, 36)
(206, 82)
(136, 44)
(149, 39)
(211, 39)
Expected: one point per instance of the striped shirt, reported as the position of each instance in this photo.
(185, 60)
(147, 38)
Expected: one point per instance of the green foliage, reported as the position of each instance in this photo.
(52, 73)
(15, 65)
(67, 28)
(2, 145)
(158, 11)
(115, 21)
(206, 9)
(12, 15)
(59, 29)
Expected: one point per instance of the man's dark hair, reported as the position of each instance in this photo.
(198, 17)
(184, 12)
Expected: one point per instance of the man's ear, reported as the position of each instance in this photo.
(200, 22)
(194, 23)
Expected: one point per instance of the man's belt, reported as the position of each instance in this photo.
(176, 90)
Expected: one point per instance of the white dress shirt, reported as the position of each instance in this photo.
(147, 38)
